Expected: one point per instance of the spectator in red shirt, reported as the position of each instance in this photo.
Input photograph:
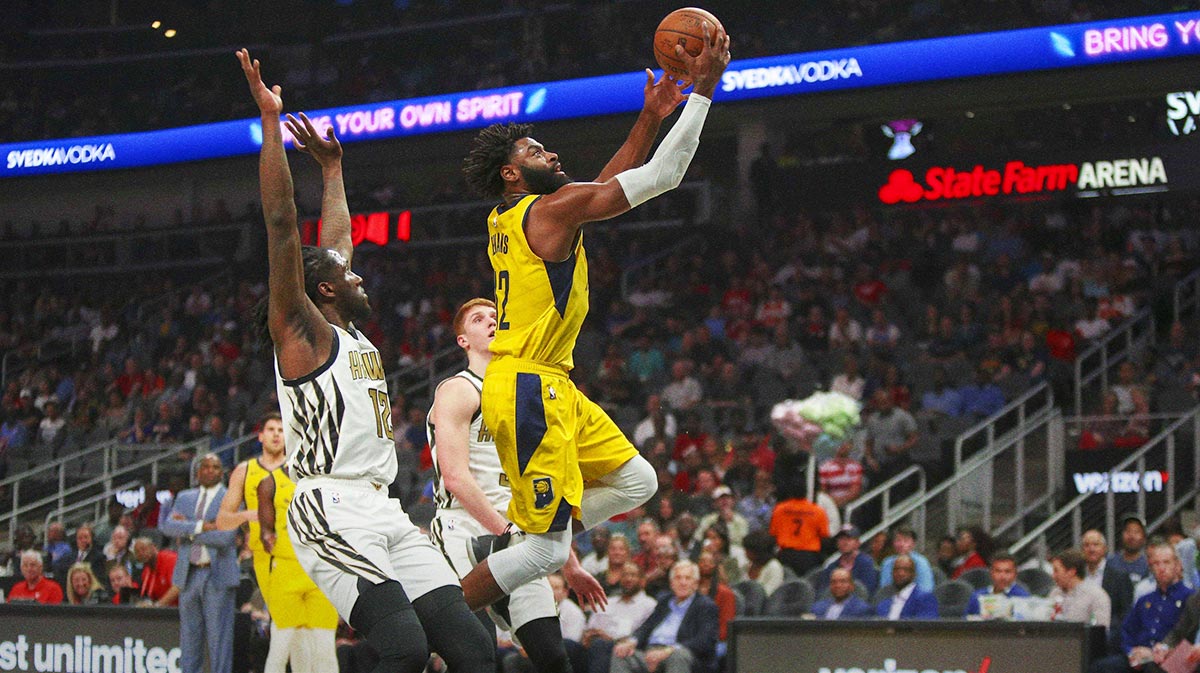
(131, 379)
(36, 586)
(841, 476)
(974, 547)
(156, 573)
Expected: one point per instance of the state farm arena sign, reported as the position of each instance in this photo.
(1111, 177)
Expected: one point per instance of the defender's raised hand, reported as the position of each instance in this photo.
(305, 137)
(705, 69)
(270, 101)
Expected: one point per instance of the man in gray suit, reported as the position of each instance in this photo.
(206, 573)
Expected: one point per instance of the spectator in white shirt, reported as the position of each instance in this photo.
(622, 617)
(683, 392)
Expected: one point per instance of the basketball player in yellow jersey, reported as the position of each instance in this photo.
(240, 506)
(296, 602)
(550, 438)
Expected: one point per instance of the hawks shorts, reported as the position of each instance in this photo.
(345, 530)
(551, 440)
(296, 601)
(452, 530)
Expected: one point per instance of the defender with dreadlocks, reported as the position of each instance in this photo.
(552, 439)
(359, 547)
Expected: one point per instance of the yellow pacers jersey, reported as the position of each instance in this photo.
(284, 489)
(540, 305)
(255, 473)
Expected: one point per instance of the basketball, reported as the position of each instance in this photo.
(681, 27)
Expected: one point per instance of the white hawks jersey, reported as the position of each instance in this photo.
(337, 420)
(481, 456)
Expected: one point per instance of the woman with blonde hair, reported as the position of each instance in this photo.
(82, 586)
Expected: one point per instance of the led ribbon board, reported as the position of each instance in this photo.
(999, 53)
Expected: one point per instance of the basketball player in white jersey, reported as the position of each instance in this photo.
(471, 490)
(381, 573)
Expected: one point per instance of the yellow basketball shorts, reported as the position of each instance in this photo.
(294, 601)
(262, 575)
(551, 440)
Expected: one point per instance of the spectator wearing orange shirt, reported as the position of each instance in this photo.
(36, 587)
(799, 526)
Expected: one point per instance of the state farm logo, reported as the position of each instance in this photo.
(943, 183)
(950, 183)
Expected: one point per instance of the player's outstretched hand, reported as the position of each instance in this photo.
(705, 69)
(270, 101)
(326, 150)
(663, 96)
(589, 591)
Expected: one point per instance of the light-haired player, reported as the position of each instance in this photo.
(471, 492)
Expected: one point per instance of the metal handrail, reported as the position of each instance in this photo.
(57, 462)
(111, 472)
(93, 501)
(884, 489)
(1124, 330)
(1073, 507)
(969, 467)
(1189, 282)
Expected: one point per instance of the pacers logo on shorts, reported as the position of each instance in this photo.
(543, 492)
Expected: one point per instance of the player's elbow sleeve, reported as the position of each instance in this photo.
(666, 169)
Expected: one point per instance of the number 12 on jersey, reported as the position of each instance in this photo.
(503, 289)
(383, 413)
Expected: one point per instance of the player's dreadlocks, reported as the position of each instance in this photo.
(319, 267)
(492, 149)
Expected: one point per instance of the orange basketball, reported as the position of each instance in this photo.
(681, 27)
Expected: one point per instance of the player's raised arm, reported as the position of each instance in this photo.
(577, 203)
(661, 99)
(335, 212)
(266, 512)
(301, 334)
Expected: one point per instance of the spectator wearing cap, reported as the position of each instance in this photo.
(904, 543)
(735, 523)
(842, 603)
(909, 601)
(1004, 582)
(1131, 557)
(849, 557)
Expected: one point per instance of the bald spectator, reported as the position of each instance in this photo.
(842, 603)
(1114, 582)
(157, 568)
(909, 601)
(36, 586)
(85, 551)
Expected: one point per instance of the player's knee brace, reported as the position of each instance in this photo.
(637, 479)
(454, 632)
(543, 642)
(539, 555)
(385, 616)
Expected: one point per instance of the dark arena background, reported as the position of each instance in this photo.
(970, 227)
